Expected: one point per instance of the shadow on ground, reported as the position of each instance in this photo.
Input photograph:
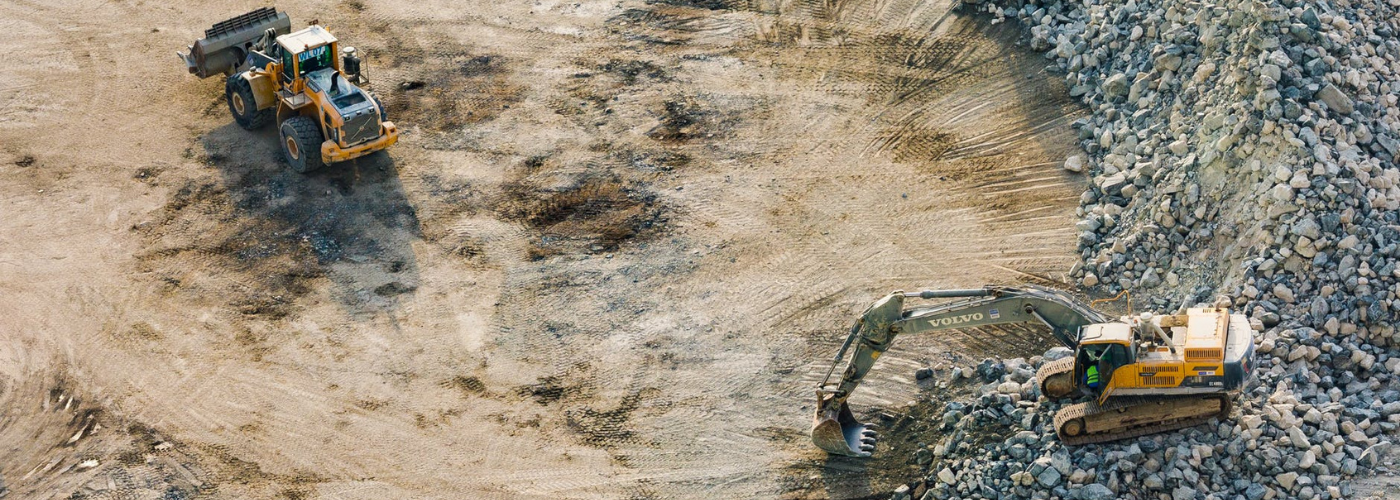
(260, 234)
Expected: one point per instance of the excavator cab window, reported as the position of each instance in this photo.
(1100, 361)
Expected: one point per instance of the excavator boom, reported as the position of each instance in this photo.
(835, 428)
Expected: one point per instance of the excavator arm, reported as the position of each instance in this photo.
(835, 428)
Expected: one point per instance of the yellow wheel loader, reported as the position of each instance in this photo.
(1142, 374)
(322, 116)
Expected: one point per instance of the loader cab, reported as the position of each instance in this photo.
(305, 52)
(1105, 347)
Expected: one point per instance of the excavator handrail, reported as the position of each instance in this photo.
(1122, 294)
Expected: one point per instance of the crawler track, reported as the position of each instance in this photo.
(1091, 411)
(1054, 370)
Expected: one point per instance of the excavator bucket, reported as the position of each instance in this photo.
(225, 46)
(836, 430)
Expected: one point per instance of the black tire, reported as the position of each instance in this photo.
(301, 143)
(383, 111)
(241, 104)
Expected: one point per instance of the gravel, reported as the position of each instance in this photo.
(1244, 148)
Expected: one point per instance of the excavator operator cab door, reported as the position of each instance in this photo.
(1095, 364)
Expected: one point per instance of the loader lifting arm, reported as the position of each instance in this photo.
(835, 428)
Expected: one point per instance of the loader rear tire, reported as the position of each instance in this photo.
(301, 143)
(243, 105)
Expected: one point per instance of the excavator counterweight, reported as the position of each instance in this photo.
(1143, 359)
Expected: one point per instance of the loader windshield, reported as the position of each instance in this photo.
(315, 59)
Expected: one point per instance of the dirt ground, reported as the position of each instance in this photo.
(609, 258)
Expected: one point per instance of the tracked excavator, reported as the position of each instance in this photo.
(1142, 374)
(322, 115)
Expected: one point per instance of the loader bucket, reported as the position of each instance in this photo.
(836, 430)
(225, 46)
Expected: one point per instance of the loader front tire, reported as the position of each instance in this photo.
(243, 105)
(383, 111)
(301, 143)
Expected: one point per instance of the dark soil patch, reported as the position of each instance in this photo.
(454, 92)
(652, 161)
(687, 118)
(912, 146)
(632, 71)
(468, 385)
(597, 212)
(549, 390)
(699, 4)
(603, 428)
(393, 288)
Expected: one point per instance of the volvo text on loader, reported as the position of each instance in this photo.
(1157, 372)
(322, 117)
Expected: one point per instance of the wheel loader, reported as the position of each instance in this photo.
(1141, 374)
(322, 116)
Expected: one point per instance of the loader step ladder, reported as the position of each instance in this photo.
(294, 101)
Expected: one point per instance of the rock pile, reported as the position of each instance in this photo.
(1245, 147)
(1249, 144)
(1291, 440)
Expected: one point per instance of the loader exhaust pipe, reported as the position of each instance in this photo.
(224, 47)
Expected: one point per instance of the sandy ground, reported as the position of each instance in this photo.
(608, 259)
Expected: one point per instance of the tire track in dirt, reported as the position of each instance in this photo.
(782, 281)
(800, 155)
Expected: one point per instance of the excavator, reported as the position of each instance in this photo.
(322, 116)
(1142, 374)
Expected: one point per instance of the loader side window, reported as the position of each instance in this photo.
(288, 65)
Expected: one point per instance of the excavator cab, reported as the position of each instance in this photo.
(1095, 364)
(1104, 347)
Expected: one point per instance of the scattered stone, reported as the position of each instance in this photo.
(1049, 478)
(1075, 163)
(1097, 491)
(1057, 353)
(1184, 493)
(1335, 99)
(1116, 86)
